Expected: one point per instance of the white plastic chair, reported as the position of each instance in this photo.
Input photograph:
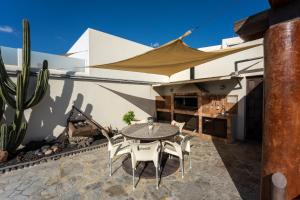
(116, 148)
(179, 149)
(185, 144)
(145, 152)
(180, 125)
(172, 148)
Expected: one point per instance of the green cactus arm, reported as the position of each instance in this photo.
(26, 53)
(6, 133)
(2, 107)
(10, 90)
(11, 137)
(5, 95)
(3, 137)
(20, 93)
(20, 134)
(18, 119)
(15, 136)
(9, 84)
(40, 89)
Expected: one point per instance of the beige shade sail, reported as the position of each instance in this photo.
(170, 58)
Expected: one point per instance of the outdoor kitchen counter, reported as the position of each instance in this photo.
(219, 116)
(228, 117)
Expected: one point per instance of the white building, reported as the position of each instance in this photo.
(107, 95)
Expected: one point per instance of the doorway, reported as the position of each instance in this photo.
(254, 108)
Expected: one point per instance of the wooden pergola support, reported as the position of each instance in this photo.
(252, 27)
(281, 139)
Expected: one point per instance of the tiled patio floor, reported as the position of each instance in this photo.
(219, 172)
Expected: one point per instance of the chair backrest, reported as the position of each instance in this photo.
(180, 125)
(145, 151)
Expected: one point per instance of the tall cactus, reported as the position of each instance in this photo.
(15, 95)
(2, 106)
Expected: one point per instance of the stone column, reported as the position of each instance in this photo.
(281, 139)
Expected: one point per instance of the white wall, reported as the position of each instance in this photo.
(106, 102)
(106, 48)
(9, 56)
(12, 58)
(80, 49)
(180, 76)
(225, 66)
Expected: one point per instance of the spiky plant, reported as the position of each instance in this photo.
(15, 95)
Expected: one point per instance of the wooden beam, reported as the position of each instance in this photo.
(278, 3)
(252, 27)
(255, 26)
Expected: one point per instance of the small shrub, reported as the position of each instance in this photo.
(128, 117)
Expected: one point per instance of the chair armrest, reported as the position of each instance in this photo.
(185, 143)
(174, 144)
(168, 142)
(126, 143)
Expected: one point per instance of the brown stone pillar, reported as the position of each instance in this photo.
(281, 139)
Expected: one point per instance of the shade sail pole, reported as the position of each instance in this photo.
(189, 32)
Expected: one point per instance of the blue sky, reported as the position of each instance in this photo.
(57, 24)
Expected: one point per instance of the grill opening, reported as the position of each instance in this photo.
(191, 122)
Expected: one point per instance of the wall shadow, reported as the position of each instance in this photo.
(242, 160)
(147, 105)
(8, 115)
(50, 112)
(49, 118)
(243, 163)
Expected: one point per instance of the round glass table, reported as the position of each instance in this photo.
(159, 132)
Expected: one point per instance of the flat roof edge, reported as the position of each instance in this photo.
(90, 78)
(219, 78)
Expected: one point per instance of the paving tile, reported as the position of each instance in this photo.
(219, 171)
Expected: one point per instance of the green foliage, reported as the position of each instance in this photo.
(11, 136)
(15, 95)
(2, 107)
(128, 117)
